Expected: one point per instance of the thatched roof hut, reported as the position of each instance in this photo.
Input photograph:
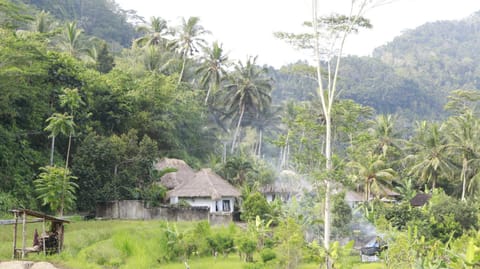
(420, 199)
(287, 184)
(205, 183)
(172, 180)
(353, 197)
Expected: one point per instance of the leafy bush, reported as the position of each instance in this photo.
(267, 255)
(256, 205)
(155, 194)
(342, 214)
(7, 202)
(221, 242)
(246, 245)
(399, 215)
(200, 233)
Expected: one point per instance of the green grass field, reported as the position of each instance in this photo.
(122, 244)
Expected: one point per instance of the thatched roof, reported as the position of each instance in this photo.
(420, 199)
(205, 184)
(174, 179)
(353, 196)
(287, 182)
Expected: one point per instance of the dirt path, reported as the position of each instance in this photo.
(26, 265)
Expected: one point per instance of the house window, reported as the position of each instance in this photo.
(226, 205)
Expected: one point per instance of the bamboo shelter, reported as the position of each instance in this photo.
(49, 241)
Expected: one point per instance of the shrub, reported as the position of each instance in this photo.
(256, 205)
(201, 232)
(267, 255)
(221, 242)
(246, 246)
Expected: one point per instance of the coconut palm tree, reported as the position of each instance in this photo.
(155, 33)
(247, 91)
(157, 60)
(463, 137)
(212, 69)
(266, 122)
(189, 40)
(386, 137)
(373, 172)
(430, 158)
(58, 124)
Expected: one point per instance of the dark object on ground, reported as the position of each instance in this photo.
(420, 199)
(374, 247)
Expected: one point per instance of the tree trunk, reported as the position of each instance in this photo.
(68, 150)
(238, 128)
(327, 209)
(259, 148)
(464, 177)
(52, 150)
(183, 68)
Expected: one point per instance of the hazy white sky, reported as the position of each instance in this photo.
(246, 27)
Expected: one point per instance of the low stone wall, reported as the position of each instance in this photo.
(173, 213)
(219, 218)
(135, 209)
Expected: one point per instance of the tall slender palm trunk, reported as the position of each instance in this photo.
(237, 130)
(463, 177)
(184, 62)
(52, 151)
(259, 146)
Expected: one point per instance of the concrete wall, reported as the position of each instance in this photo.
(173, 213)
(123, 209)
(196, 202)
(219, 218)
(215, 206)
(107, 210)
(134, 209)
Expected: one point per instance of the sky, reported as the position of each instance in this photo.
(245, 28)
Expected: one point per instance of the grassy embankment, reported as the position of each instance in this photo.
(120, 244)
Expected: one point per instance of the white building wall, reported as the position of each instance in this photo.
(215, 206)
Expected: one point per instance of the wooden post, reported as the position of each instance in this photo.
(44, 237)
(24, 231)
(15, 215)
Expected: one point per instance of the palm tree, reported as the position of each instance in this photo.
(43, 23)
(70, 39)
(189, 39)
(429, 153)
(266, 121)
(156, 60)
(387, 139)
(155, 34)
(70, 99)
(237, 168)
(58, 123)
(248, 90)
(371, 169)
(463, 136)
(212, 69)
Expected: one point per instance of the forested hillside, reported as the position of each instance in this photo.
(440, 56)
(411, 76)
(101, 18)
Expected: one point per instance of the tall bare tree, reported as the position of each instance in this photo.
(327, 41)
